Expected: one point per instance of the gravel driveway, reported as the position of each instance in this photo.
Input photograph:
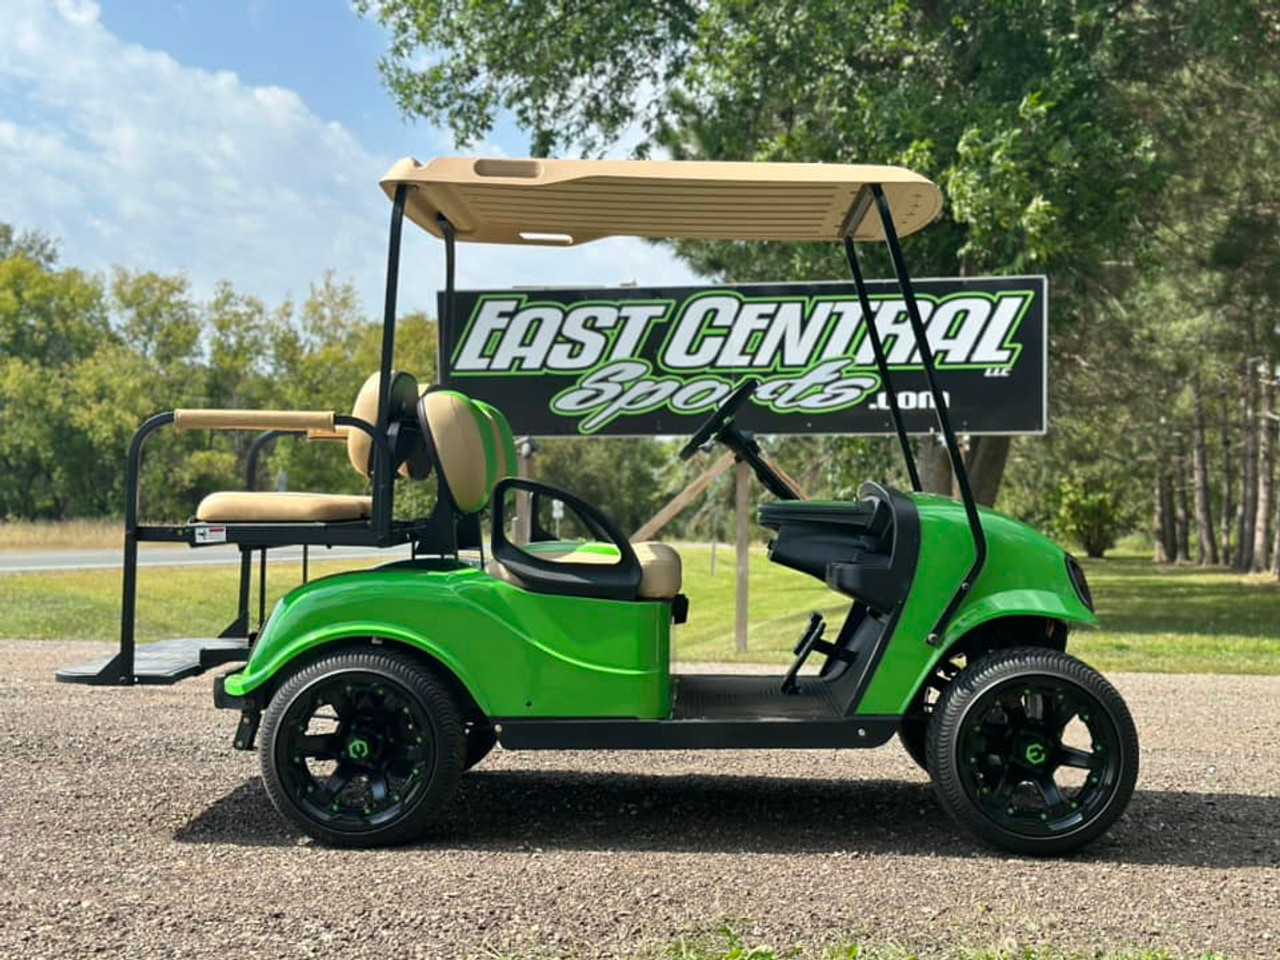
(129, 827)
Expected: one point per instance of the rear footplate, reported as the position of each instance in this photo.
(165, 662)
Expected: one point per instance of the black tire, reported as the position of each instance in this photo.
(998, 741)
(391, 732)
(480, 740)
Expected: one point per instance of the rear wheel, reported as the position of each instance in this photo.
(1034, 751)
(362, 748)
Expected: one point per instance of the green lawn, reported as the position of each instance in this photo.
(1160, 619)
(172, 601)
(1163, 619)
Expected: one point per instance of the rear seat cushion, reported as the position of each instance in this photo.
(236, 506)
(404, 394)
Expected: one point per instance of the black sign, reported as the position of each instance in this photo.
(635, 361)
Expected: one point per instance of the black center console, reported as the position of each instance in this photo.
(865, 549)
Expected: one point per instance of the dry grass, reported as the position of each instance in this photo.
(60, 534)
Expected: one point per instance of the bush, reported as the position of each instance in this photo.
(1092, 511)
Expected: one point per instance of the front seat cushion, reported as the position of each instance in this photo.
(659, 563)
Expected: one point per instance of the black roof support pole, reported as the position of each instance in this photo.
(882, 362)
(382, 466)
(450, 275)
(121, 666)
(940, 407)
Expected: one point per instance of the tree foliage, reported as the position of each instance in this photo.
(1126, 149)
(86, 359)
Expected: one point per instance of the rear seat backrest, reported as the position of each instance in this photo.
(463, 442)
(404, 396)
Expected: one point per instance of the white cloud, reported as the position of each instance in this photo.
(130, 157)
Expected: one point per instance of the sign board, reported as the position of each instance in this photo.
(657, 361)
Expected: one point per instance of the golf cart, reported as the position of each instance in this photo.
(370, 692)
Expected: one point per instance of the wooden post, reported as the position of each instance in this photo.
(681, 500)
(524, 502)
(741, 510)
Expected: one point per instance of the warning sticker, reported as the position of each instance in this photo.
(207, 534)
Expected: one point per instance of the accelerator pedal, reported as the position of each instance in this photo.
(809, 641)
(165, 662)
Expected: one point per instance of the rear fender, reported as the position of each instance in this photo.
(306, 646)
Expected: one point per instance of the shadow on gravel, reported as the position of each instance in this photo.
(564, 809)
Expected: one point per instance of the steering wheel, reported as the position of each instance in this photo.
(715, 423)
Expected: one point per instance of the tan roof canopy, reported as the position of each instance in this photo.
(564, 202)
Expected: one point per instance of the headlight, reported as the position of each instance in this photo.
(1076, 573)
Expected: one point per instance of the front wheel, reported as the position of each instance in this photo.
(1033, 750)
(362, 748)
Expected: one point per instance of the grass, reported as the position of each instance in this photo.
(1174, 620)
(60, 534)
(729, 945)
(172, 601)
(1161, 619)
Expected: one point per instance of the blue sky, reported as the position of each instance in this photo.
(238, 141)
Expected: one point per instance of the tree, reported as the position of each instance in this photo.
(50, 321)
(32, 245)
(48, 316)
(86, 360)
(617, 475)
(1025, 114)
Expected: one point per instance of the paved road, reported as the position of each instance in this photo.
(128, 827)
(36, 561)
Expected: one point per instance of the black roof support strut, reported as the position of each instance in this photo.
(389, 309)
(939, 398)
(882, 364)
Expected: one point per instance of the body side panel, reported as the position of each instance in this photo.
(520, 654)
(1025, 574)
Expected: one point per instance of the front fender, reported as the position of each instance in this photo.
(1026, 574)
(1018, 603)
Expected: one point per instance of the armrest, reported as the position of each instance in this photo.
(301, 420)
(614, 581)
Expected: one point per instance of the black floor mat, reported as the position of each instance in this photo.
(752, 698)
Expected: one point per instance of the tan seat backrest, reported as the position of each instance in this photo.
(404, 396)
(462, 440)
(507, 459)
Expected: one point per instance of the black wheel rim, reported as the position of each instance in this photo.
(1040, 757)
(355, 751)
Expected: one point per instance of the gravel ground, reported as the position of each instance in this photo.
(129, 827)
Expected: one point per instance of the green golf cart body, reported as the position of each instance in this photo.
(539, 655)
(368, 693)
